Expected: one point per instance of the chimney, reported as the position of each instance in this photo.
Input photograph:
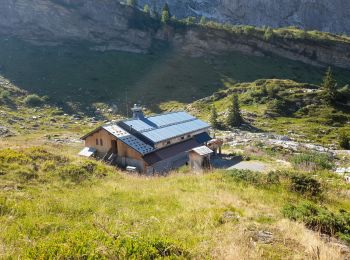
(137, 112)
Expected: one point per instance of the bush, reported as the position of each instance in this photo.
(277, 106)
(91, 243)
(80, 172)
(33, 100)
(273, 178)
(312, 161)
(247, 177)
(4, 95)
(344, 141)
(320, 219)
(305, 185)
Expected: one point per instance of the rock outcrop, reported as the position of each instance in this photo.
(105, 23)
(108, 25)
(324, 15)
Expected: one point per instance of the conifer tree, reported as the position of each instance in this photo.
(167, 9)
(202, 21)
(234, 118)
(166, 14)
(165, 17)
(329, 87)
(132, 3)
(214, 118)
(146, 9)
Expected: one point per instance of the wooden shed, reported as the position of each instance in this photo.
(199, 159)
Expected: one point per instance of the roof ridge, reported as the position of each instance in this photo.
(164, 126)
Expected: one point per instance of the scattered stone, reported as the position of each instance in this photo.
(5, 132)
(229, 216)
(264, 237)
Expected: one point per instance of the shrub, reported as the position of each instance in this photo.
(247, 177)
(320, 218)
(5, 95)
(80, 172)
(26, 175)
(273, 178)
(344, 141)
(33, 100)
(91, 243)
(312, 161)
(277, 106)
(5, 207)
(305, 185)
(11, 156)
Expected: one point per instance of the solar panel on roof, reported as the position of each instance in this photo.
(129, 139)
(166, 126)
(172, 131)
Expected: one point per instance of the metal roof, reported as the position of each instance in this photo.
(158, 121)
(129, 139)
(170, 151)
(165, 126)
(202, 150)
(87, 152)
(202, 138)
(165, 133)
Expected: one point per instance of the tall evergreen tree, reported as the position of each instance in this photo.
(146, 9)
(214, 118)
(166, 8)
(234, 118)
(165, 17)
(203, 20)
(132, 3)
(329, 87)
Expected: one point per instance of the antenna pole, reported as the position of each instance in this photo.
(126, 103)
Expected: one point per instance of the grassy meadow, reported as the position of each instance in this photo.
(285, 107)
(77, 77)
(54, 205)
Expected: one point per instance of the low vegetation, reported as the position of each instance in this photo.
(59, 206)
(285, 107)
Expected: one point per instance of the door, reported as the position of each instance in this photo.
(114, 145)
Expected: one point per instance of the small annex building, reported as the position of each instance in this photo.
(154, 144)
(199, 159)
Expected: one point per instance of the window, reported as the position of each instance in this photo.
(101, 142)
(182, 137)
(188, 136)
(96, 141)
(168, 142)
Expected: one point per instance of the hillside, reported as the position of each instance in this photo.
(55, 205)
(322, 15)
(68, 67)
(284, 107)
(78, 79)
(108, 25)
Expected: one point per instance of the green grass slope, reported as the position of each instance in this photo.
(80, 76)
(282, 106)
(58, 206)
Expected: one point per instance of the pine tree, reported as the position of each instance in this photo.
(167, 9)
(329, 87)
(268, 35)
(214, 118)
(165, 17)
(203, 21)
(234, 118)
(146, 9)
(132, 3)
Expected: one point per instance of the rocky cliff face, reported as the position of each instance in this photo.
(323, 15)
(104, 23)
(108, 25)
